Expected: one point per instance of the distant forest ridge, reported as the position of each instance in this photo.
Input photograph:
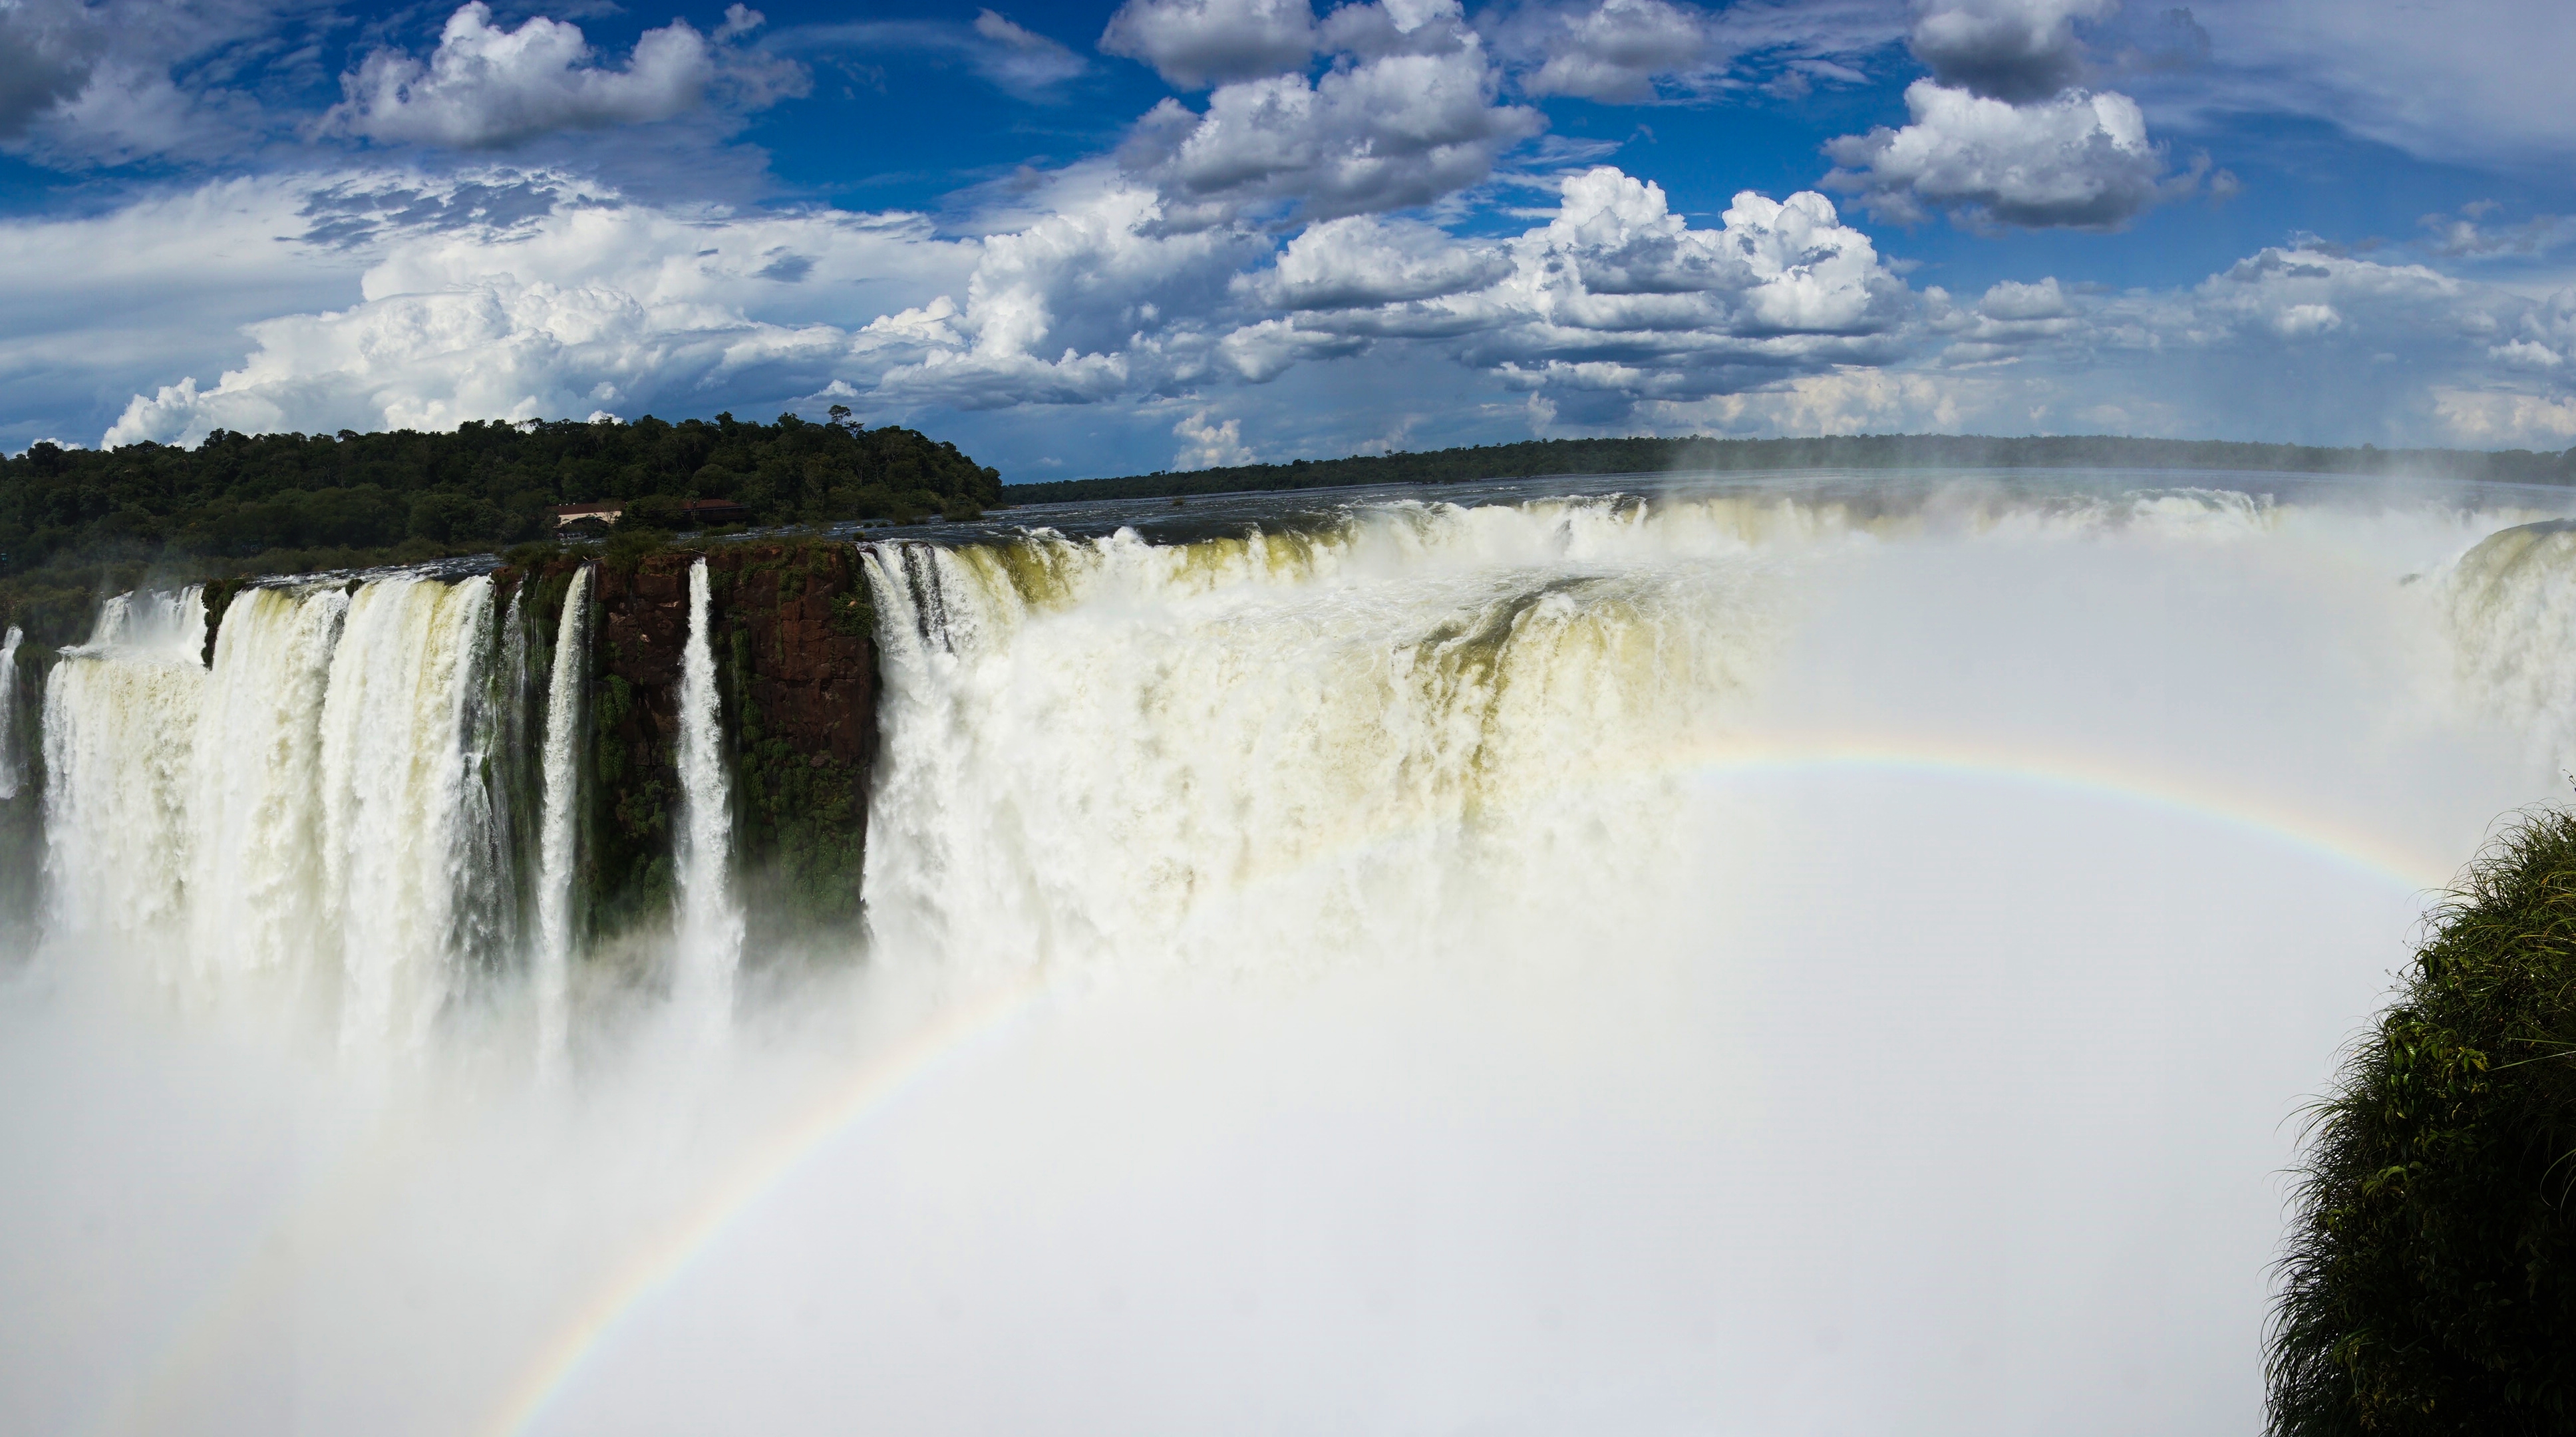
(1541, 457)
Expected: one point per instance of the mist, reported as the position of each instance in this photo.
(1741, 961)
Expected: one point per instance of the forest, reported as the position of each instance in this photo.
(1534, 458)
(241, 498)
(72, 520)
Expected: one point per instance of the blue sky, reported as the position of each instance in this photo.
(1086, 239)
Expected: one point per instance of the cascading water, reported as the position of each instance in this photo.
(560, 820)
(120, 737)
(1228, 748)
(257, 897)
(1771, 959)
(2510, 603)
(710, 925)
(9, 713)
(397, 817)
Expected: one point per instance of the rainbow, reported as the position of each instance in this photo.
(899, 1068)
(553, 1366)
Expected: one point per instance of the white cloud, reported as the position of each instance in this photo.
(1197, 43)
(487, 86)
(97, 304)
(2493, 420)
(1613, 50)
(598, 303)
(1208, 444)
(398, 300)
(1006, 55)
(1364, 260)
(1095, 299)
(1406, 115)
(2078, 160)
(1021, 60)
(1614, 300)
(2011, 50)
(2469, 81)
(91, 82)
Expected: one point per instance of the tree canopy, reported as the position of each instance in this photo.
(237, 497)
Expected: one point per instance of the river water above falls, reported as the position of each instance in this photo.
(1762, 956)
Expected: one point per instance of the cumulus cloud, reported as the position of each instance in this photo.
(1096, 299)
(2078, 160)
(2011, 316)
(1615, 300)
(2010, 50)
(397, 299)
(1364, 261)
(1611, 50)
(1406, 115)
(483, 305)
(1206, 443)
(487, 86)
(594, 303)
(1197, 43)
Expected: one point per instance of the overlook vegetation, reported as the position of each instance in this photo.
(1539, 457)
(239, 504)
(2430, 1282)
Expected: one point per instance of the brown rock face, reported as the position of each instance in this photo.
(641, 625)
(791, 633)
(805, 646)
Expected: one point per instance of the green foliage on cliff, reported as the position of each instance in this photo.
(1861, 451)
(2430, 1280)
(22, 829)
(291, 502)
(630, 825)
(800, 814)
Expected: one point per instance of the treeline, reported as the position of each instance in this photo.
(77, 522)
(1539, 457)
(238, 497)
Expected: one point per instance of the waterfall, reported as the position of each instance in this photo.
(561, 819)
(257, 899)
(710, 926)
(2510, 604)
(398, 819)
(120, 723)
(350, 799)
(9, 713)
(1228, 751)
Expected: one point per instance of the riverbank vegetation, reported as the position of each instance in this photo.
(1542, 457)
(2430, 1281)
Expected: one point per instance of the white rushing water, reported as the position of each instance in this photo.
(120, 738)
(9, 765)
(710, 924)
(302, 811)
(560, 820)
(1760, 962)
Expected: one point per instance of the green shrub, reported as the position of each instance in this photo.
(2430, 1277)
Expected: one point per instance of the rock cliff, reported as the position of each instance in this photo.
(791, 632)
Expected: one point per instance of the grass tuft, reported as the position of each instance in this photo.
(2429, 1283)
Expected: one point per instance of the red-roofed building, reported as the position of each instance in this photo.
(586, 517)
